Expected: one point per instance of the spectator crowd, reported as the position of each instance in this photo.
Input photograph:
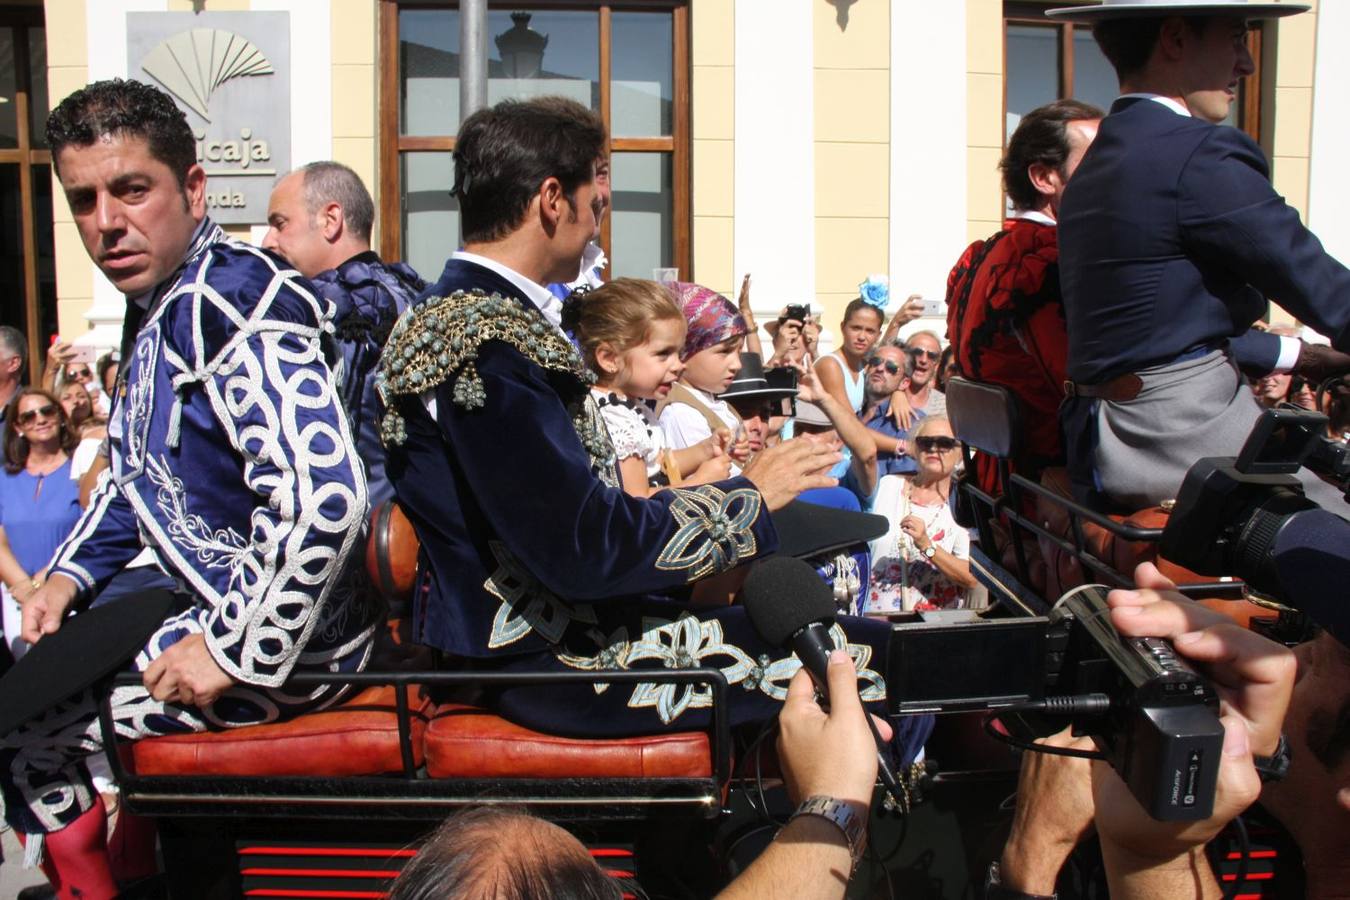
(703, 411)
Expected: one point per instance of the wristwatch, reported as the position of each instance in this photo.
(930, 551)
(842, 815)
(994, 889)
(1276, 766)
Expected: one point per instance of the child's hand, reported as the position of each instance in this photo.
(740, 447)
(717, 443)
(717, 468)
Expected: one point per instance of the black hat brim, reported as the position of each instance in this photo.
(759, 394)
(807, 529)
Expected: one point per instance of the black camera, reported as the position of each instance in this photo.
(783, 379)
(1160, 732)
(1231, 511)
(797, 312)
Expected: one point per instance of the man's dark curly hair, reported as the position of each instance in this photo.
(1041, 137)
(125, 108)
(504, 153)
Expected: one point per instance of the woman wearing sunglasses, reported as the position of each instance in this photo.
(39, 501)
(923, 560)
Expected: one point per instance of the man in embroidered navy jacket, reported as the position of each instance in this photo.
(1171, 239)
(531, 554)
(319, 220)
(230, 457)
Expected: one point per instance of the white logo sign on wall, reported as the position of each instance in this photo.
(228, 74)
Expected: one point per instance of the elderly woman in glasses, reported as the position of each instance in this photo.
(39, 501)
(923, 560)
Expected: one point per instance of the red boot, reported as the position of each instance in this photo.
(75, 859)
(131, 849)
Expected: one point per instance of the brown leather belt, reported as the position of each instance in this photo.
(1117, 390)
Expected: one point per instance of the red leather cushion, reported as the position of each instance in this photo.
(358, 737)
(467, 742)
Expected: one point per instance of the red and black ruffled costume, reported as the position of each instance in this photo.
(1005, 321)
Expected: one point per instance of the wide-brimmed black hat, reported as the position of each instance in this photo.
(750, 383)
(1120, 9)
(807, 529)
(88, 646)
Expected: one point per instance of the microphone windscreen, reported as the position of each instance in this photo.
(782, 596)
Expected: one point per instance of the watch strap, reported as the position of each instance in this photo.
(842, 815)
(994, 889)
(1276, 766)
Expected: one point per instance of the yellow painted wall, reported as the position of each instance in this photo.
(713, 116)
(1291, 144)
(984, 118)
(354, 27)
(67, 72)
(852, 150)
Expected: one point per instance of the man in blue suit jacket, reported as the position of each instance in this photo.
(532, 555)
(1171, 241)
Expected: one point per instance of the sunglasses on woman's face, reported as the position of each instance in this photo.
(30, 416)
(927, 444)
(890, 366)
(79, 373)
(918, 352)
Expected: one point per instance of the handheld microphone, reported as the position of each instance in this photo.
(790, 606)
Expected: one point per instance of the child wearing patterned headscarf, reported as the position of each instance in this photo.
(711, 357)
(631, 334)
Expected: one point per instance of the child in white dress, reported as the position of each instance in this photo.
(631, 333)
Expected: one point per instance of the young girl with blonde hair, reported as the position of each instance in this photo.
(631, 334)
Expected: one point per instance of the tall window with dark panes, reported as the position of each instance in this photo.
(627, 63)
(27, 258)
(1049, 59)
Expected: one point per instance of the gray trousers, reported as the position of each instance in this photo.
(1185, 411)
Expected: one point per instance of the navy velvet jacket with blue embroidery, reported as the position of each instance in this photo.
(512, 485)
(368, 296)
(232, 459)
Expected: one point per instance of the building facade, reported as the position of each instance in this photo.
(808, 142)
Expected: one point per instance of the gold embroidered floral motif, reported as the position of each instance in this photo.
(438, 341)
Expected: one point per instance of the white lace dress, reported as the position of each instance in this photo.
(634, 431)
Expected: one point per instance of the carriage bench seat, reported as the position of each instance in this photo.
(357, 737)
(465, 742)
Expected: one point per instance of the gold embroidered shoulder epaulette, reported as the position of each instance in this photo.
(438, 341)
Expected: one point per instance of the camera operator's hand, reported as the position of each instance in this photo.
(1313, 800)
(781, 473)
(1254, 678)
(822, 754)
(1054, 813)
(831, 753)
